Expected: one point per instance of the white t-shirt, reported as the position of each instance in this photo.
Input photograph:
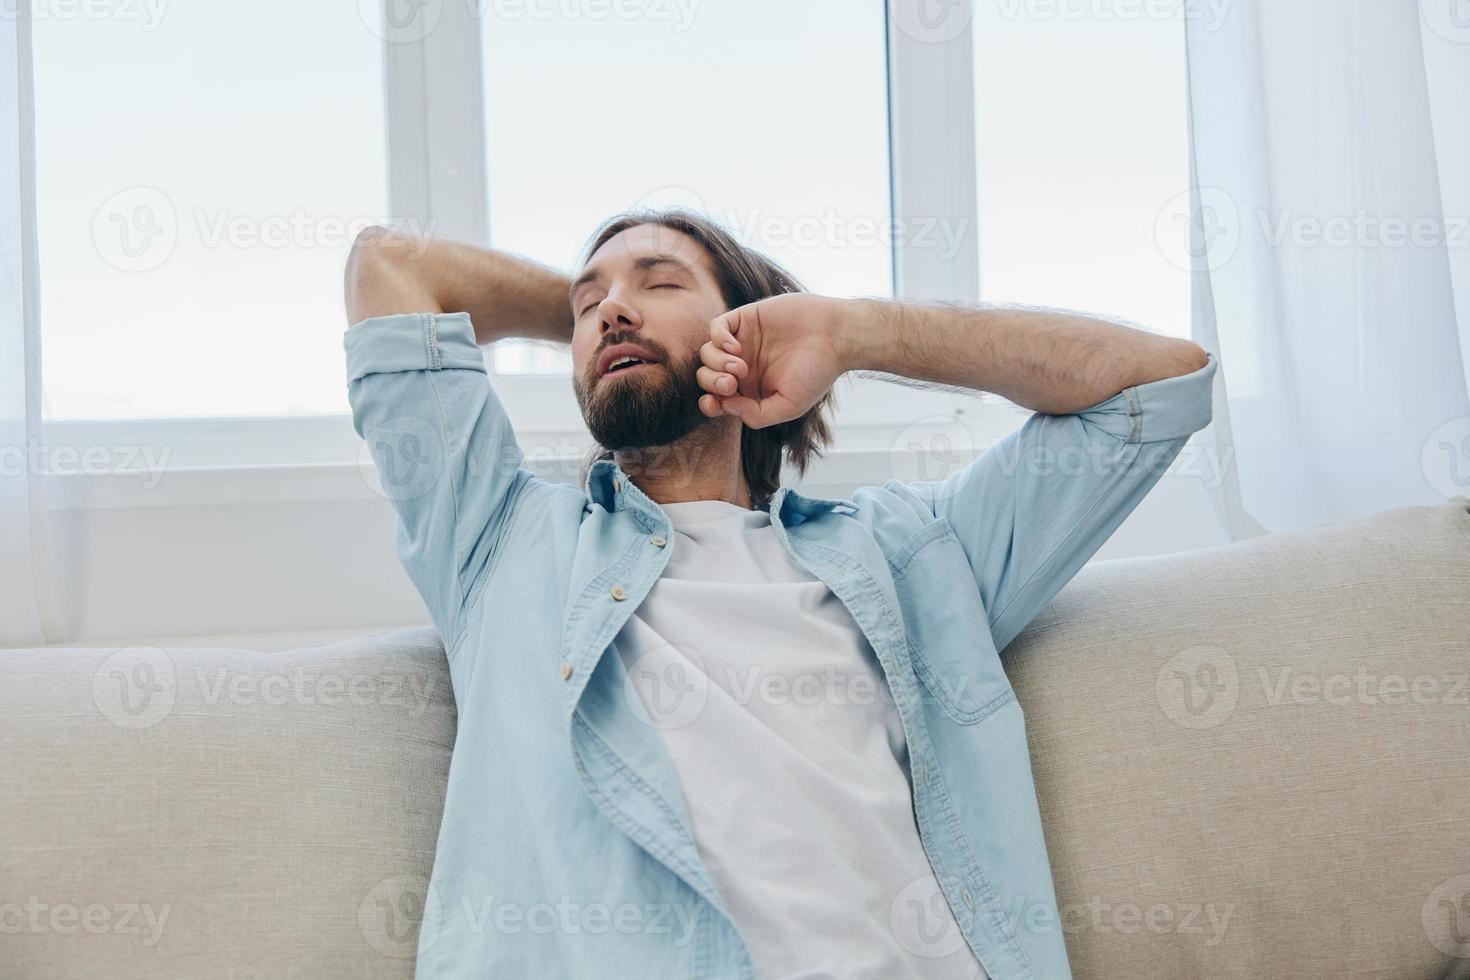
(791, 757)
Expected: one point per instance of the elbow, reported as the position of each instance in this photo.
(377, 269)
(375, 250)
(1175, 358)
(1192, 357)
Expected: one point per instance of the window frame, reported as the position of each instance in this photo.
(437, 177)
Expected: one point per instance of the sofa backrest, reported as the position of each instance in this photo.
(1251, 762)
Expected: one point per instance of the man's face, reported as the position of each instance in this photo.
(649, 293)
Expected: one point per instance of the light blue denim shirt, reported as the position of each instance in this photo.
(565, 849)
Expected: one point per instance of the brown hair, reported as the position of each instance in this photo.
(744, 276)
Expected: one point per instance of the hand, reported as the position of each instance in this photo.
(770, 361)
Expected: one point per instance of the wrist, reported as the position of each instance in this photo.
(862, 329)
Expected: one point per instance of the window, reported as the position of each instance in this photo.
(1082, 160)
(195, 212)
(769, 116)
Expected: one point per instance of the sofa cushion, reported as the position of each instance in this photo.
(210, 813)
(1251, 760)
(1223, 796)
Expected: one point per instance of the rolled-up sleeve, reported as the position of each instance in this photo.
(444, 451)
(1033, 508)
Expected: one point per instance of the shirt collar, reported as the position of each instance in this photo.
(790, 506)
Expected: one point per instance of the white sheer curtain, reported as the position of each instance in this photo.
(27, 613)
(1330, 154)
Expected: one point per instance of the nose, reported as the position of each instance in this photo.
(614, 314)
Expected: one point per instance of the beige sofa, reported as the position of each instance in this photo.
(1253, 761)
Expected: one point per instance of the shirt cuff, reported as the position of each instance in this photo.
(1172, 408)
(411, 342)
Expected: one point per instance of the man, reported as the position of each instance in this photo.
(709, 726)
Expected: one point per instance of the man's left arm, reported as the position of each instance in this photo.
(1113, 407)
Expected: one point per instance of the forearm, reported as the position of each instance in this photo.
(505, 295)
(1044, 360)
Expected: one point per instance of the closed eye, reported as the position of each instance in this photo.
(657, 285)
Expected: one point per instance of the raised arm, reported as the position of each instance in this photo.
(420, 311)
(505, 295)
(1113, 406)
(1046, 360)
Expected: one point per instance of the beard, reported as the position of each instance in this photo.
(652, 406)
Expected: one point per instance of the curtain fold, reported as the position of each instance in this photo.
(1323, 256)
(27, 607)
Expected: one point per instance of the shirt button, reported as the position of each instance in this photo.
(658, 540)
(566, 672)
(619, 593)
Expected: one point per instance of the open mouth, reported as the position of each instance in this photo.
(625, 365)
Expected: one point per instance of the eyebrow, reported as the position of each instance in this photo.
(642, 262)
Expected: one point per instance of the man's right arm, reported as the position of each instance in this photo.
(505, 295)
(421, 400)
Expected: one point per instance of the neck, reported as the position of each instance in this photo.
(703, 465)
